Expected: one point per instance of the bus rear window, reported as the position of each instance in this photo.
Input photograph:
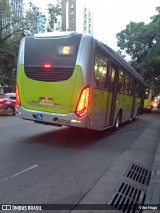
(57, 52)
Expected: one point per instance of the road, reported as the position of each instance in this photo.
(51, 165)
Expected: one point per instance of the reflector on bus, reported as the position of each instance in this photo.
(18, 102)
(47, 66)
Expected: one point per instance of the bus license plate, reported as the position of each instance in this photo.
(46, 100)
(40, 116)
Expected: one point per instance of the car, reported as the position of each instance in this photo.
(8, 103)
(155, 103)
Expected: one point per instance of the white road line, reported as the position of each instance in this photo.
(25, 170)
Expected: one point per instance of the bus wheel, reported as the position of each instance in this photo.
(117, 122)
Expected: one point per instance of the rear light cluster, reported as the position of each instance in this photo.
(2, 101)
(83, 102)
(18, 102)
(47, 66)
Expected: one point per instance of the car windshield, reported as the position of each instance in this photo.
(7, 96)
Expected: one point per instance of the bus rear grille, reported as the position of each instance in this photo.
(51, 75)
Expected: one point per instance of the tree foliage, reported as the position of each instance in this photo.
(142, 43)
(13, 26)
(13, 21)
(53, 11)
(36, 18)
(8, 61)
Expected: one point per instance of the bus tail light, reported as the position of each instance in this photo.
(18, 102)
(47, 66)
(83, 102)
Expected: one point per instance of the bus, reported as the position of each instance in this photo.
(156, 102)
(148, 99)
(73, 79)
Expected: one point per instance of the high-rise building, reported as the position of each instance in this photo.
(76, 16)
(16, 7)
(15, 10)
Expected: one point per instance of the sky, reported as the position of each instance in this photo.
(112, 16)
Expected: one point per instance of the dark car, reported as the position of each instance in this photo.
(8, 103)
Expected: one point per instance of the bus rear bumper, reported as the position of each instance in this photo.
(147, 109)
(53, 119)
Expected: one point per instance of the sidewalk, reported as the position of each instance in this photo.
(153, 192)
(144, 153)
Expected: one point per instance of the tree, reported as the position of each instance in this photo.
(8, 22)
(12, 25)
(53, 11)
(11, 29)
(11, 22)
(37, 19)
(8, 60)
(154, 54)
(142, 42)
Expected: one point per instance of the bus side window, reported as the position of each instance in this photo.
(100, 70)
(121, 82)
(138, 90)
(111, 78)
(130, 86)
(146, 94)
(153, 95)
(126, 87)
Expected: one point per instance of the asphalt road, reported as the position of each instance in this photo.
(42, 164)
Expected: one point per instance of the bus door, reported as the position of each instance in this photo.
(137, 100)
(103, 104)
(111, 86)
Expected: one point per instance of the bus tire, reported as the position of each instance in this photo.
(117, 122)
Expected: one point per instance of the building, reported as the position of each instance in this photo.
(17, 10)
(6, 15)
(16, 7)
(76, 16)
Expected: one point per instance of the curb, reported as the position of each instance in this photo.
(153, 191)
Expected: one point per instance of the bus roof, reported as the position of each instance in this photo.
(55, 34)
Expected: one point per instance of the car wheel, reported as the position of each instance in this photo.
(10, 111)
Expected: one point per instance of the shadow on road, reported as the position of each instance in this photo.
(75, 137)
(69, 137)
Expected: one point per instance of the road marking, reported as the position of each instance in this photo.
(25, 170)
